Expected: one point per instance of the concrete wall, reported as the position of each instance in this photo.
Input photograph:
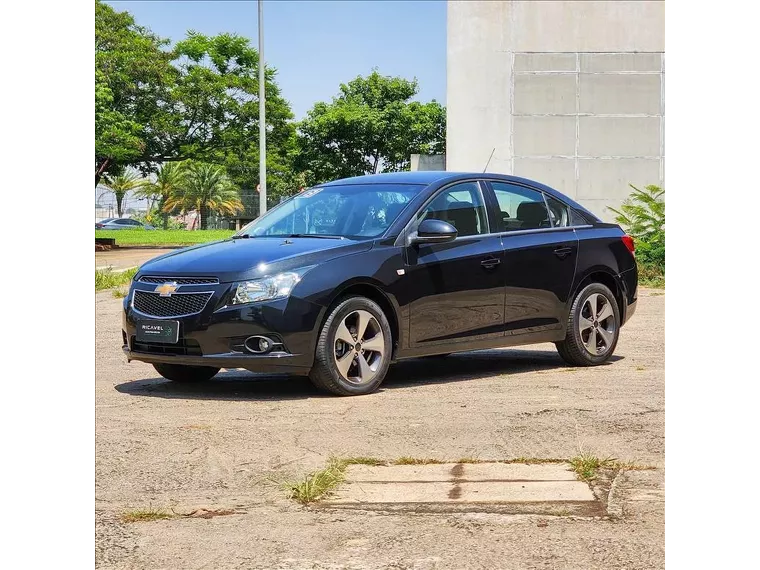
(568, 93)
(427, 162)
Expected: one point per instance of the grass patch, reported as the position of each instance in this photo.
(587, 466)
(533, 460)
(146, 515)
(320, 483)
(518, 460)
(163, 237)
(363, 461)
(108, 279)
(119, 293)
(416, 461)
(651, 276)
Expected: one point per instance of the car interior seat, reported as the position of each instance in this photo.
(532, 215)
(463, 217)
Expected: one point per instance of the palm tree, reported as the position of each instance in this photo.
(168, 181)
(205, 188)
(121, 183)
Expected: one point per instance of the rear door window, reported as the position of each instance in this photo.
(559, 214)
(520, 208)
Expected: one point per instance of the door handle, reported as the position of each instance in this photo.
(490, 262)
(563, 252)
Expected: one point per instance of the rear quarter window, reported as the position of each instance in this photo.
(579, 218)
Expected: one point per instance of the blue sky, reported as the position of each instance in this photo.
(317, 45)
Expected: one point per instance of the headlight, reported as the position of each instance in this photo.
(267, 288)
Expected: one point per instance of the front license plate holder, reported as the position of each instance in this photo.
(162, 332)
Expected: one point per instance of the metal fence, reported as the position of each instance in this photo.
(134, 207)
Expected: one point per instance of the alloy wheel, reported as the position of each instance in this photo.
(359, 347)
(596, 324)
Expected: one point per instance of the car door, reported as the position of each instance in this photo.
(455, 290)
(540, 254)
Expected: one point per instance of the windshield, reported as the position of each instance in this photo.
(355, 211)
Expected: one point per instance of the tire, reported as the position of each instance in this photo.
(184, 373)
(341, 366)
(604, 325)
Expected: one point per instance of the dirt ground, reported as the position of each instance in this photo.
(126, 257)
(230, 444)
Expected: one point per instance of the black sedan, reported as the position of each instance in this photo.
(346, 278)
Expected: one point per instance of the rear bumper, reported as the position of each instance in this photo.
(629, 283)
(629, 311)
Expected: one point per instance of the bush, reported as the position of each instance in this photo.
(154, 217)
(642, 216)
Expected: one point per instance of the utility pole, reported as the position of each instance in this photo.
(262, 118)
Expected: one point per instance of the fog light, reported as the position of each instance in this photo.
(258, 344)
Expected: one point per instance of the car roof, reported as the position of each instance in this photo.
(429, 177)
(441, 177)
(417, 177)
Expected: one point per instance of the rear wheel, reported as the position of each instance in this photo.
(184, 373)
(593, 327)
(353, 350)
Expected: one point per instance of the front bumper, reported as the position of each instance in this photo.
(215, 336)
(276, 364)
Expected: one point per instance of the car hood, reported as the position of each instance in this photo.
(238, 259)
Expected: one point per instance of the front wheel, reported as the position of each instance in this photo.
(184, 373)
(593, 327)
(353, 350)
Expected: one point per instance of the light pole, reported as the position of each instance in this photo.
(262, 117)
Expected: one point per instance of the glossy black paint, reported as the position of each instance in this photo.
(473, 292)
(434, 231)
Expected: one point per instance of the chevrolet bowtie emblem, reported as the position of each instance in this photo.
(166, 289)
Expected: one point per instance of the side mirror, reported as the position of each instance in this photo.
(434, 231)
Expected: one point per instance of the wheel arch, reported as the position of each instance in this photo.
(373, 291)
(607, 278)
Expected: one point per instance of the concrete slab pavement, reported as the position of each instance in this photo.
(455, 484)
(460, 471)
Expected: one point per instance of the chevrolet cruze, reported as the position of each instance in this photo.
(348, 277)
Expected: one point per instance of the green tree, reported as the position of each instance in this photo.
(642, 216)
(204, 188)
(168, 180)
(132, 78)
(197, 101)
(123, 181)
(372, 125)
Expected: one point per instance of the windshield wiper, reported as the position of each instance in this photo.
(243, 236)
(320, 236)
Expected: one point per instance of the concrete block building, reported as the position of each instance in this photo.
(565, 92)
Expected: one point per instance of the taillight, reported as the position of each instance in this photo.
(628, 241)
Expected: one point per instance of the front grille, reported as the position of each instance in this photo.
(178, 305)
(185, 347)
(180, 280)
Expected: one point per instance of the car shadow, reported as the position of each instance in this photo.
(244, 385)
